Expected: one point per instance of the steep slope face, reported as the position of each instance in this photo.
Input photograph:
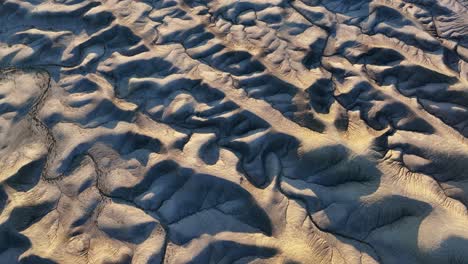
(246, 131)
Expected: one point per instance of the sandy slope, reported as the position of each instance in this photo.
(234, 131)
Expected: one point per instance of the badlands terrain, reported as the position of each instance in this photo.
(234, 131)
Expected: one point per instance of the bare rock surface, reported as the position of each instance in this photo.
(234, 131)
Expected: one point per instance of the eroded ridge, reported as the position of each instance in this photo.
(233, 131)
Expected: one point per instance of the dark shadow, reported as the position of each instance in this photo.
(232, 252)
(12, 242)
(253, 155)
(28, 176)
(455, 248)
(33, 259)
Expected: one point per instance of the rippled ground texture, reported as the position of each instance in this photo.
(234, 131)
